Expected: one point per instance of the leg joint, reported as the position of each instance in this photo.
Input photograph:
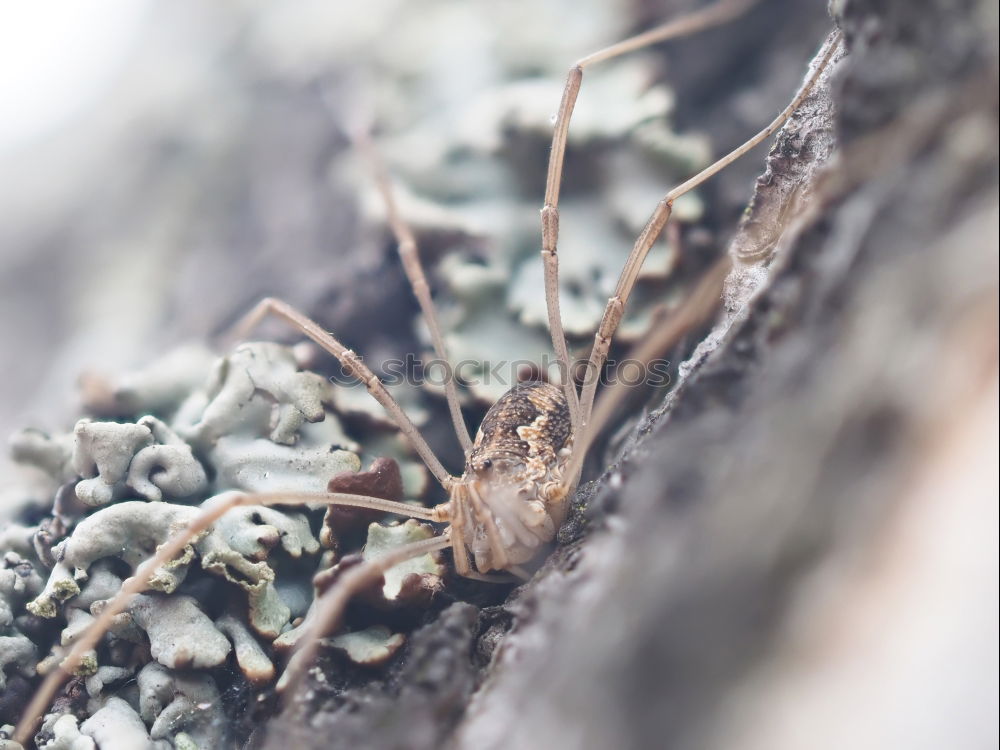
(550, 218)
(614, 308)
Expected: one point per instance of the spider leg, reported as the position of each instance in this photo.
(460, 554)
(410, 256)
(353, 365)
(616, 304)
(168, 551)
(702, 301)
(712, 15)
(330, 606)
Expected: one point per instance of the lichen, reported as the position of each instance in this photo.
(258, 390)
(413, 578)
(369, 647)
(175, 703)
(104, 676)
(130, 531)
(253, 421)
(6, 743)
(117, 726)
(460, 195)
(60, 587)
(159, 388)
(102, 452)
(166, 469)
(66, 735)
(181, 636)
(52, 454)
(252, 659)
(258, 465)
(17, 652)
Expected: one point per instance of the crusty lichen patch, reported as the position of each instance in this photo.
(451, 168)
(370, 647)
(252, 421)
(414, 576)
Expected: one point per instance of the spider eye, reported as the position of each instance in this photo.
(487, 463)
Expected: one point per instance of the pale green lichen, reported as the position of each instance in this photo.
(159, 388)
(258, 423)
(51, 454)
(410, 582)
(253, 531)
(66, 735)
(369, 647)
(354, 399)
(130, 531)
(268, 614)
(77, 621)
(258, 465)
(88, 665)
(60, 587)
(102, 452)
(464, 197)
(468, 175)
(167, 469)
(116, 726)
(17, 652)
(19, 581)
(259, 390)
(427, 568)
(180, 635)
(252, 659)
(101, 584)
(6, 743)
(181, 703)
(104, 676)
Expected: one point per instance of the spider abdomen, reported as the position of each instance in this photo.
(513, 489)
(530, 423)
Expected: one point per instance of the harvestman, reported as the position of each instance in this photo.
(525, 461)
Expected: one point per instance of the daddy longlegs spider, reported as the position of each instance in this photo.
(524, 464)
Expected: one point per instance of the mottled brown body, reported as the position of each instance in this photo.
(511, 498)
(529, 423)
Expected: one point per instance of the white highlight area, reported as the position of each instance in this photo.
(55, 57)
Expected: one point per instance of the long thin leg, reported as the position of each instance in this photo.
(355, 368)
(330, 606)
(695, 309)
(460, 554)
(616, 304)
(167, 552)
(712, 15)
(410, 256)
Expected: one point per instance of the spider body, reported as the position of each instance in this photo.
(512, 497)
